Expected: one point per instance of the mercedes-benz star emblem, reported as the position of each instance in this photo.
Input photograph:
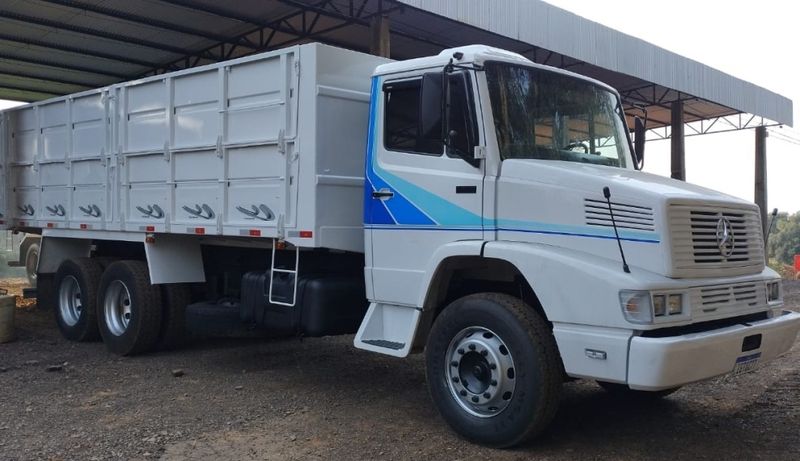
(725, 237)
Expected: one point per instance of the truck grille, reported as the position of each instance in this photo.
(717, 301)
(626, 216)
(700, 247)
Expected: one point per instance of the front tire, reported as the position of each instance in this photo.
(129, 308)
(493, 369)
(75, 291)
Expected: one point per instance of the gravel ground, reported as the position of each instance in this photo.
(323, 399)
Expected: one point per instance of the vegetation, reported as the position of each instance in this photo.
(784, 243)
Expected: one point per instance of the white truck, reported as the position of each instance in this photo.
(473, 205)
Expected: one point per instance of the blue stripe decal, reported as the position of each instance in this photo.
(571, 234)
(527, 231)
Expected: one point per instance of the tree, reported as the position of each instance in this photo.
(784, 242)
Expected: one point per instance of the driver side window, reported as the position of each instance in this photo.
(402, 130)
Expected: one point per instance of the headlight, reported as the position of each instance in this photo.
(647, 307)
(636, 306)
(659, 305)
(675, 304)
(773, 291)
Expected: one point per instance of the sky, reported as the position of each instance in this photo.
(755, 42)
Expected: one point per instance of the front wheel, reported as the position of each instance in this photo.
(493, 369)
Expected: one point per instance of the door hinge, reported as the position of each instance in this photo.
(281, 142)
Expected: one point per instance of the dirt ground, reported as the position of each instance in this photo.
(323, 399)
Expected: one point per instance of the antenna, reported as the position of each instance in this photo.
(769, 229)
(607, 195)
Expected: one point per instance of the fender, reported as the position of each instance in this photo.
(459, 248)
(573, 286)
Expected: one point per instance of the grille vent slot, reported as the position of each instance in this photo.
(714, 297)
(627, 216)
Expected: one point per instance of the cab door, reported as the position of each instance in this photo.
(420, 194)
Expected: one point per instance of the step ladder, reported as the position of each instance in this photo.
(274, 270)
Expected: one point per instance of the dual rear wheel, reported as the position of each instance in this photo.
(116, 301)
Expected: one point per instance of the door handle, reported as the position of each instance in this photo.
(383, 194)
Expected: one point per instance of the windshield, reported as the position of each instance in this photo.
(545, 115)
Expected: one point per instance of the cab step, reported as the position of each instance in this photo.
(388, 329)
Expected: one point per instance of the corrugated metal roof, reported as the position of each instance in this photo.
(546, 26)
(55, 47)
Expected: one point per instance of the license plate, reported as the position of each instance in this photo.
(746, 363)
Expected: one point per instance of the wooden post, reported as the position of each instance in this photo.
(677, 140)
(760, 194)
(379, 28)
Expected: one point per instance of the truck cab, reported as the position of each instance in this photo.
(504, 206)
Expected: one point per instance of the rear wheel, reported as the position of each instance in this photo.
(175, 298)
(75, 288)
(130, 308)
(493, 369)
(31, 261)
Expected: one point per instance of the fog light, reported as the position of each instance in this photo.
(636, 306)
(659, 305)
(675, 304)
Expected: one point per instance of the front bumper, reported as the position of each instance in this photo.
(663, 363)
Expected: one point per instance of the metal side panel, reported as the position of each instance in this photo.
(145, 116)
(53, 120)
(24, 135)
(53, 211)
(195, 109)
(146, 207)
(25, 205)
(197, 206)
(88, 137)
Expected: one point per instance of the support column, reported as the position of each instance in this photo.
(677, 140)
(760, 194)
(379, 28)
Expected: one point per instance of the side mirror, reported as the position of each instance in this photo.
(638, 142)
(430, 106)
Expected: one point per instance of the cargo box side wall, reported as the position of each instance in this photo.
(264, 146)
(341, 98)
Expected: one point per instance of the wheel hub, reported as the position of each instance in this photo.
(70, 305)
(117, 307)
(480, 372)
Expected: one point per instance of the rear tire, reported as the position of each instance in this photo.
(74, 294)
(175, 298)
(45, 291)
(129, 308)
(493, 369)
(623, 391)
